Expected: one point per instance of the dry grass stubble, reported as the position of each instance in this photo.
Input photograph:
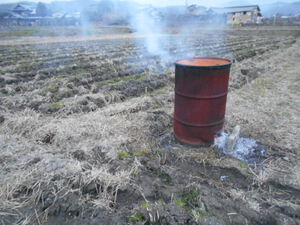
(36, 149)
(268, 107)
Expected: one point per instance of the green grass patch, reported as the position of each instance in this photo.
(52, 87)
(57, 105)
(137, 217)
(145, 205)
(160, 202)
(199, 215)
(156, 106)
(124, 155)
(126, 78)
(165, 177)
(180, 203)
(82, 102)
(244, 165)
(143, 152)
(189, 199)
(191, 202)
(283, 104)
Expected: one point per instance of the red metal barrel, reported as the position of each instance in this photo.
(201, 86)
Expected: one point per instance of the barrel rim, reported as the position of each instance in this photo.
(212, 67)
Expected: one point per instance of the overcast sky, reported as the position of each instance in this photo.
(182, 2)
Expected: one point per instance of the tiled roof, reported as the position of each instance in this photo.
(21, 7)
(235, 9)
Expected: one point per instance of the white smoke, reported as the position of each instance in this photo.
(168, 33)
(147, 26)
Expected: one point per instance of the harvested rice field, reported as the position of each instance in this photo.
(86, 132)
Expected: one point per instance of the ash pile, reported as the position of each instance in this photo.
(245, 149)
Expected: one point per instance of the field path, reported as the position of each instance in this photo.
(49, 40)
(31, 40)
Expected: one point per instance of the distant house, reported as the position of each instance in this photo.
(197, 10)
(25, 15)
(22, 10)
(240, 14)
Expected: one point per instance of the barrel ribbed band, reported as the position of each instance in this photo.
(201, 97)
(199, 124)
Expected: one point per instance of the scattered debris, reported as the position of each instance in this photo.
(245, 149)
(233, 137)
(222, 178)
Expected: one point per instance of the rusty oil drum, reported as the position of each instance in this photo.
(201, 86)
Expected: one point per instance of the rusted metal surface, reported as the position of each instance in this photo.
(201, 86)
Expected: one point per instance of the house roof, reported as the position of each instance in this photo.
(21, 8)
(197, 10)
(13, 15)
(235, 9)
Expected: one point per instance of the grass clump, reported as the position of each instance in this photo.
(145, 205)
(160, 202)
(189, 199)
(244, 165)
(156, 106)
(57, 105)
(199, 215)
(83, 102)
(165, 177)
(150, 153)
(180, 203)
(143, 152)
(137, 217)
(126, 78)
(124, 155)
(191, 202)
(52, 88)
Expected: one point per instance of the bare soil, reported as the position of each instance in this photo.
(86, 133)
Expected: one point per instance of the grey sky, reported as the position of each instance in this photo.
(182, 2)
